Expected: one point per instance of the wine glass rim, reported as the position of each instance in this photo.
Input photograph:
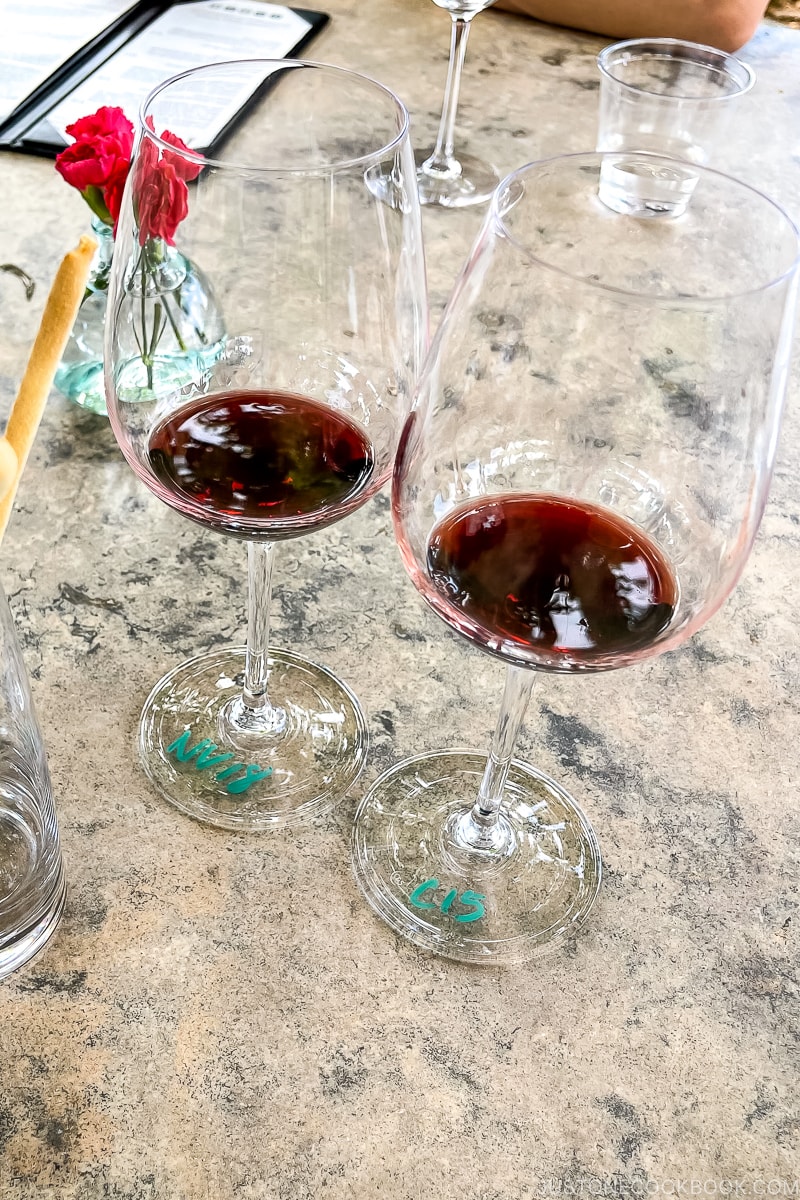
(197, 157)
(712, 53)
(496, 216)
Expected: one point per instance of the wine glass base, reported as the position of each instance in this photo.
(474, 184)
(499, 905)
(257, 776)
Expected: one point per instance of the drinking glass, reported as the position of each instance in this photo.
(306, 229)
(577, 489)
(32, 887)
(669, 97)
(455, 181)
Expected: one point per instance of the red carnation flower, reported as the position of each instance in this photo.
(147, 155)
(98, 164)
(184, 167)
(85, 164)
(113, 190)
(106, 122)
(98, 161)
(161, 197)
(161, 201)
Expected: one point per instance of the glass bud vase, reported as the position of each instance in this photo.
(176, 328)
(169, 330)
(80, 373)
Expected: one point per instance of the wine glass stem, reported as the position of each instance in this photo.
(260, 557)
(443, 158)
(516, 695)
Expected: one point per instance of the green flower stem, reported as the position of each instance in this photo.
(94, 198)
(178, 338)
(146, 358)
(151, 256)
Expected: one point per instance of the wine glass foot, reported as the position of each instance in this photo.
(498, 904)
(252, 775)
(472, 184)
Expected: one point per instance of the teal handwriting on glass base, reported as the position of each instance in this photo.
(469, 900)
(500, 905)
(251, 778)
(205, 758)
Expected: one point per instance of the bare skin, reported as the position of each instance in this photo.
(727, 24)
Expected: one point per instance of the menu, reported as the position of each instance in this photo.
(40, 36)
(130, 50)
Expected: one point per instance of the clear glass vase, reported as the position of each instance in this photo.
(80, 373)
(174, 298)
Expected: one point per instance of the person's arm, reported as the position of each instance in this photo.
(727, 24)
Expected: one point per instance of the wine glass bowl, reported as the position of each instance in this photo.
(577, 489)
(306, 227)
(445, 177)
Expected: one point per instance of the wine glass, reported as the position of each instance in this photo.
(577, 489)
(305, 230)
(444, 178)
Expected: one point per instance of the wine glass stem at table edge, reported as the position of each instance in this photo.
(443, 158)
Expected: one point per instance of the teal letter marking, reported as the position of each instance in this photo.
(205, 758)
(471, 901)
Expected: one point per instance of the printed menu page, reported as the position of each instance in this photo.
(184, 37)
(39, 36)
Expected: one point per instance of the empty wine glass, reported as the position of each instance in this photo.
(306, 230)
(454, 181)
(577, 489)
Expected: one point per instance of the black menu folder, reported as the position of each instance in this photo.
(63, 59)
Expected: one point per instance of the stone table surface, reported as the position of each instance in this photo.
(220, 1017)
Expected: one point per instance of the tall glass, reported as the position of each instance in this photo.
(577, 490)
(32, 887)
(306, 231)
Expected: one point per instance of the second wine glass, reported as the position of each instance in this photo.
(577, 489)
(307, 232)
(447, 178)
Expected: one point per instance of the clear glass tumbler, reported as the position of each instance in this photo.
(32, 884)
(668, 97)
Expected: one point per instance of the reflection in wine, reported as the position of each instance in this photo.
(552, 580)
(262, 457)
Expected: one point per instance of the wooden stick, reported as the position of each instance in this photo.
(57, 320)
(8, 466)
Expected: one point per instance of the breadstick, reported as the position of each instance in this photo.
(8, 466)
(57, 320)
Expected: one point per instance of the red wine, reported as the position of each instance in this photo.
(560, 578)
(234, 458)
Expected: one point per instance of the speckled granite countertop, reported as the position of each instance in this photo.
(221, 1017)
